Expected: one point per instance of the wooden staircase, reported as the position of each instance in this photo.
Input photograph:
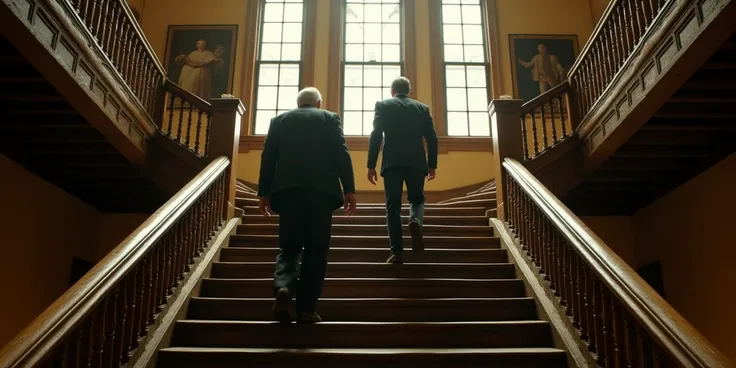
(458, 302)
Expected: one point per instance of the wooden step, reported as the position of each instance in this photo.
(373, 288)
(356, 335)
(375, 255)
(379, 220)
(490, 194)
(340, 229)
(244, 270)
(366, 241)
(483, 202)
(381, 211)
(185, 357)
(374, 309)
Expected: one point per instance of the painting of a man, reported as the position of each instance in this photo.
(197, 69)
(200, 58)
(540, 62)
(546, 69)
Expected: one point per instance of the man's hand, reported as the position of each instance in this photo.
(432, 174)
(372, 176)
(265, 206)
(350, 204)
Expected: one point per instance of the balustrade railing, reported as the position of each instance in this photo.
(545, 120)
(619, 33)
(103, 318)
(187, 119)
(620, 318)
(117, 34)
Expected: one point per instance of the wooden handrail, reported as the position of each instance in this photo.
(549, 95)
(187, 96)
(162, 246)
(605, 18)
(142, 36)
(624, 319)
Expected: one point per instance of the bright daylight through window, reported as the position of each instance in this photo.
(279, 60)
(465, 63)
(372, 59)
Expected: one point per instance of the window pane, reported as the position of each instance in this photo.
(391, 33)
(372, 53)
(477, 99)
(367, 122)
(291, 51)
(292, 32)
(453, 53)
(372, 33)
(391, 53)
(353, 99)
(370, 97)
(372, 13)
(473, 34)
(457, 123)
(272, 32)
(372, 75)
(273, 13)
(391, 13)
(453, 34)
(450, 1)
(390, 72)
(352, 123)
(268, 75)
(471, 2)
(476, 76)
(451, 14)
(354, 52)
(479, 124)
(289, 75)
(354, 13)
(471, 14)
(474, 54)
(266, 98)
(293, 13)
(354, 33)
(270, 51)
(287, 97)
(456, 99)
(455, 76)
(263, 120)
(353, 75)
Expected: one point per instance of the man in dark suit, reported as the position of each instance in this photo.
(304, 160)
(405, 124)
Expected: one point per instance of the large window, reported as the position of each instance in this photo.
(466, 67)
(372, 59)
(278, 67)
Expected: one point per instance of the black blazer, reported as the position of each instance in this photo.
(305, 148)
(405, 123)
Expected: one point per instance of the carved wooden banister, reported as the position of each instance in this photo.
(621, 319)
(546, 120)
(104, 317)
(184, 118)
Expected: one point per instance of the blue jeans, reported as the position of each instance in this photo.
(394, 180)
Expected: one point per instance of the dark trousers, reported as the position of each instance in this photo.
(393, 180)
(305, 223)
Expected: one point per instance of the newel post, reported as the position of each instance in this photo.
(507, 142)
(224, 140)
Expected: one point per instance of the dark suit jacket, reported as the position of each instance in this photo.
(405, 123)
(305, 149)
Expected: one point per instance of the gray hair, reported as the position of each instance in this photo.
(401, 85)
(308, 96)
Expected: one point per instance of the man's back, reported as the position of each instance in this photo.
(403, 123)
(308, 150)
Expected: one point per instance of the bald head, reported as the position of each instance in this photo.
(309, 96)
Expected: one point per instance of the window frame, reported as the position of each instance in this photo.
(485, 64)
(344, 63)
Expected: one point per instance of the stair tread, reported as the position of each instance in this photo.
(531, 350)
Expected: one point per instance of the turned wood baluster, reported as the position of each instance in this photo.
(151, 88)
(533, 234)
(89, 340)
(524, 233)
(544, 127)
(73, 354)
(597, 333)
(587, 86)
(189, 127)
(586, 313)
(552, 119)
(511, 199)
(563, 117)
(98, 23)
(599, 77)
(135, 75)
(556, 279)
(567, 294)
(638, 8)
(114, 35)
(129, 321)
(636, 31)
(181, 121)
(104, 25)
(524, 137)
(112, 334)
(171, 269)
(619, 333)
(161, 286)
(629, 341)
(125, 50)
(172, 101)
(534, 134)
(546, 249)
(211, 208)
(624, 31)
(207, 136)
(579, 301)
(630, 29)
(607, 57)
(98, 334)
(145, 292)
(180, 265)
(156, 289)
(606, 343)
(644, 347)
(652, 10)
(200, 230)
(128, 56)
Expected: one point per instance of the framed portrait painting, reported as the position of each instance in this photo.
(540, 62)
(201, 58)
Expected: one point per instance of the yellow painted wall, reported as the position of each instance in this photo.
(455, 168)
(43, 228)
(690, 232)
(597, 8)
